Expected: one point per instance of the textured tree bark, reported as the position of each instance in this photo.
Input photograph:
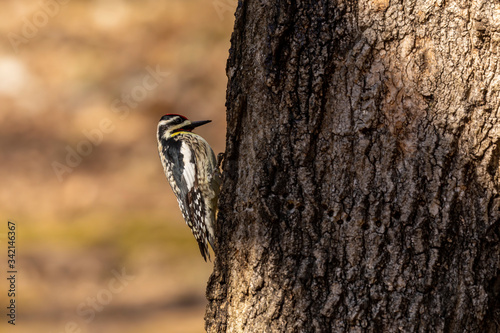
(362, 175)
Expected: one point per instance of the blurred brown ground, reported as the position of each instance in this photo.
(64, 67)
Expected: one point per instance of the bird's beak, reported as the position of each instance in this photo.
(195, 124)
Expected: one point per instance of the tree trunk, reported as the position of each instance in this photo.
(361, 182)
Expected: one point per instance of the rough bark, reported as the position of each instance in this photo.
(361, 182)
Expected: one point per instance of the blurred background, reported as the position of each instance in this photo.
(101, 244)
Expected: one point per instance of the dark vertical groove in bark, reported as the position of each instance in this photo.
(361, 181)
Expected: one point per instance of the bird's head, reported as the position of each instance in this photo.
(172, 123)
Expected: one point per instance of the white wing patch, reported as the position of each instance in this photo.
(189, 172)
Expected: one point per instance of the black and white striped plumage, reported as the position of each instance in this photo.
(191, 169)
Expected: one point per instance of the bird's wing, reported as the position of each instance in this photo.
(196, 209)
(188, 194)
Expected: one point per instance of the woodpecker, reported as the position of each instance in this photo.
(192, 171)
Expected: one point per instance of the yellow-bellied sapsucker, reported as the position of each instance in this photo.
(192, 171)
